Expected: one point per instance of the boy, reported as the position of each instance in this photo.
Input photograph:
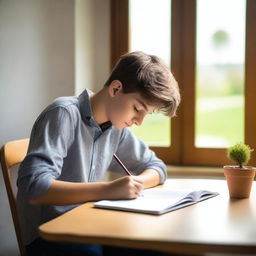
(73, 141)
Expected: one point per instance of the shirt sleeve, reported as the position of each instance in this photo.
(50, 139)
(137, 156)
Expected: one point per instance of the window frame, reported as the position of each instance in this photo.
(183, 52)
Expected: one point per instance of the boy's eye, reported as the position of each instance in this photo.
(135, 108)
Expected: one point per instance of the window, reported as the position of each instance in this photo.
(220, 62)
(213, 57)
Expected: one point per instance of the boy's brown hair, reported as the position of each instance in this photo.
(149, 76)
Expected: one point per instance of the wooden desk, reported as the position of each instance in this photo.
(217, 225)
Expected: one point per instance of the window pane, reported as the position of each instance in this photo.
(220, 72)
(149, 26)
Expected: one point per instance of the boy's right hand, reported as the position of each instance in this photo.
(127, 187)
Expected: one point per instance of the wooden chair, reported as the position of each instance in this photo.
(13, 153)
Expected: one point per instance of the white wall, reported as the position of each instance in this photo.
(36, 65)
(92, 44)
(36, 60)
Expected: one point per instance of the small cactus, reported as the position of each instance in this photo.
(239, 153)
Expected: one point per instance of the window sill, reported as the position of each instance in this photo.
(195, 172)
(183, 172)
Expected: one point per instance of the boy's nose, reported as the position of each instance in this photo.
(138, 120)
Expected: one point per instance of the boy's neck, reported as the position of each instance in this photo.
(98, 105)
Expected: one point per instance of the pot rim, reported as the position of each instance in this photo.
(236, 167)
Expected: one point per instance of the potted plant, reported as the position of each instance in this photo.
(239, 177)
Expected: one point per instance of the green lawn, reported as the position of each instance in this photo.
(223, 125)
(155, 130)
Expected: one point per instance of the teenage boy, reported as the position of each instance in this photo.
(73, 141)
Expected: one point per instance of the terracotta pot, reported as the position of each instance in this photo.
(239, 180)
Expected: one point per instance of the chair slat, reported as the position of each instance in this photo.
(12, 153)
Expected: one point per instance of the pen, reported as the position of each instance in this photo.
(122, 165)
(124, 168)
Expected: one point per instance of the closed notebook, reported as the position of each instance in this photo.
(158, 201)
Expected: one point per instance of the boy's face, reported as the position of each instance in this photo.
(126, 109)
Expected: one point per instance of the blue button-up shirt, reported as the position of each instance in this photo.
(67, 144)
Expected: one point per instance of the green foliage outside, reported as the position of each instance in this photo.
(219, 80)
(220, 39)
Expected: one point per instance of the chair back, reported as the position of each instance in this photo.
(13, 153)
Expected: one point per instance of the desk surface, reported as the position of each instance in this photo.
(215, 225)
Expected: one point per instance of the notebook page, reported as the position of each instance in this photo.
(155, 199)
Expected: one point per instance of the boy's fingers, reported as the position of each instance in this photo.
(138, 179)
(138, 187)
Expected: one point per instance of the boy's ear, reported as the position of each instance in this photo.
(115, 87)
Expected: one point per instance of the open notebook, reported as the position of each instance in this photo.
(158, 201)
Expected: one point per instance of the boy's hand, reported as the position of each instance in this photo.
(127, 187)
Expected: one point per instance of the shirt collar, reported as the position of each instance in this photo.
(85, 106)
(105, 126)
(86, 111)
